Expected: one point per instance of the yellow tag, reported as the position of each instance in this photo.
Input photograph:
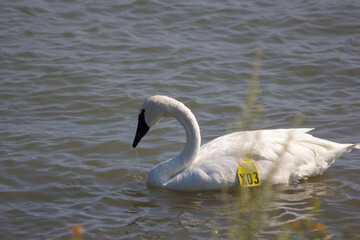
(248, 174)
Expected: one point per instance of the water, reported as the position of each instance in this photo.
(74, 73)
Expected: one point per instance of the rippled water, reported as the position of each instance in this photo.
(74, 73)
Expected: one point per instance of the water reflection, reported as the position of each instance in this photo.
(264, 211)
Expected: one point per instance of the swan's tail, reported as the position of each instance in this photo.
(353, 146)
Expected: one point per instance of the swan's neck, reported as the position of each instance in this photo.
(163, 172)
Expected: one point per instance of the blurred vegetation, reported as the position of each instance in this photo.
(249, 213)
(252, 110)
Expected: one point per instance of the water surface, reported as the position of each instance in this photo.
(74, 73)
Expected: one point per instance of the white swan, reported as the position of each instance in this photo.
(284, 155)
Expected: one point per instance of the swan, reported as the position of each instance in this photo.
(281, 155)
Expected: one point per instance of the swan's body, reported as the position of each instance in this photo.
(281, 155)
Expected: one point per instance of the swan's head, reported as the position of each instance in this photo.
(151, 112)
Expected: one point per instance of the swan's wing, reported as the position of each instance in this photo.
(286, 155)
(283, 155)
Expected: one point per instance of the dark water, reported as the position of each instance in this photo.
(74, 73)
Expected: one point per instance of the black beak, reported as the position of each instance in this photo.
(142, 129)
